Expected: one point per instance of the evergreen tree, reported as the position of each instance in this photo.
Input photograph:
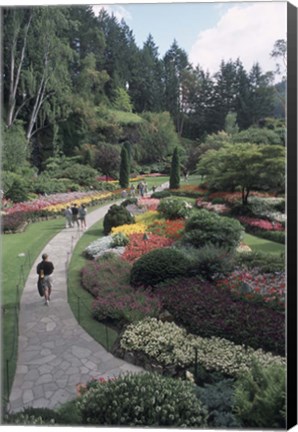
(124, 169)
(175, 171)
(127, 147)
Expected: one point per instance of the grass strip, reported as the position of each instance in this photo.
(258, 244)
(81, 300)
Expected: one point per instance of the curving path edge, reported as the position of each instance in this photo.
(54, 352)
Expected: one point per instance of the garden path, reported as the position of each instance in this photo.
(54, 352)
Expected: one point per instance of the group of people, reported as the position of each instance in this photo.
(75, 216)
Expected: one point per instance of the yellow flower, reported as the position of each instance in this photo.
(130, 228)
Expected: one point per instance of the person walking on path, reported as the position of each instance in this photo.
(75, 215)
(68, 217)
(82, 216)
(45, 269)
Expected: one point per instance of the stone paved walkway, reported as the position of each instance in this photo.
(54, 352)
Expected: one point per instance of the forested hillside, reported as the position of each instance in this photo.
(77, 86)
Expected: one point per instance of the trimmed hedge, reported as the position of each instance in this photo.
(157, 266)
(117, 215)
(208, 227)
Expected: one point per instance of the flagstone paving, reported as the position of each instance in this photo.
(54, 352)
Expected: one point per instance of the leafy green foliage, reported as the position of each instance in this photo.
(15, 186)
(143, 400)
(117, 215)
(262, 261)
(171, 208)
(119, 239)
(249, 166)
(218, 398)
(15, 148)
(157, 266)
(175, 171)
(211, 261)
(207, 227)
(260, 397)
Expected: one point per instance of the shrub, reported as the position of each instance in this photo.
(129, 201)
(218, 201)
(171, 208)
(13, 222)
(98, 247)
(171, 345)
(206, 227)
(157, 266)
(15, 186)
(260, 397)
(175, 170)
(207, 310)
(263, 262)
(218, 398)
(162, 194)
(143, 400)
(32, 416)
(211, 261)
(107, 272)
(119, 239)
(117, 215)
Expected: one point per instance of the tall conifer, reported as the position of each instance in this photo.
(124, 169)
(175, 171)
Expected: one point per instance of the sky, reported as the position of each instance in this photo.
(209, 32)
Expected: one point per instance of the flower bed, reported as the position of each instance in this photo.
(207, 310)
(253, 286)
(148, 203)
(138, 246)
(169, 344)
(232, 197)
(218, 208)
(262, 224)
(168, 228)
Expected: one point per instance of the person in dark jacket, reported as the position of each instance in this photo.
(45, 270)
(75, 215)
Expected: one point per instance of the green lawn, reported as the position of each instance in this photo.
(258, 244)
(80, 300)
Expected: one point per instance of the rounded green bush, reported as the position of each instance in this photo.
(157, 266)
(174, 208)
(117, 215)
(207, 227)
(143, 400)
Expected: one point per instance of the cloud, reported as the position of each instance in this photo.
(247, 32)
(118, 11)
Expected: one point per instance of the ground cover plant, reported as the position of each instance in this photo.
(107, 279)
(172, 346)
(208, 310)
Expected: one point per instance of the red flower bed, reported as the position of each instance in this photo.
(263, 288)
(262, 224)
(168, 228)
(138, 246)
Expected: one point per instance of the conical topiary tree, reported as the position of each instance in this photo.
(124, 169)
(175, 171)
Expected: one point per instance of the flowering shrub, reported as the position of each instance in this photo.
(169, 344)
(253, 286)
(107, 279)
(217, 208)
(261, 223)
(13, 222)
(138, 246)
(148, 203)
(171, 208)
(207, 310)
(144, 399)
(98, 247)
(124, 305)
